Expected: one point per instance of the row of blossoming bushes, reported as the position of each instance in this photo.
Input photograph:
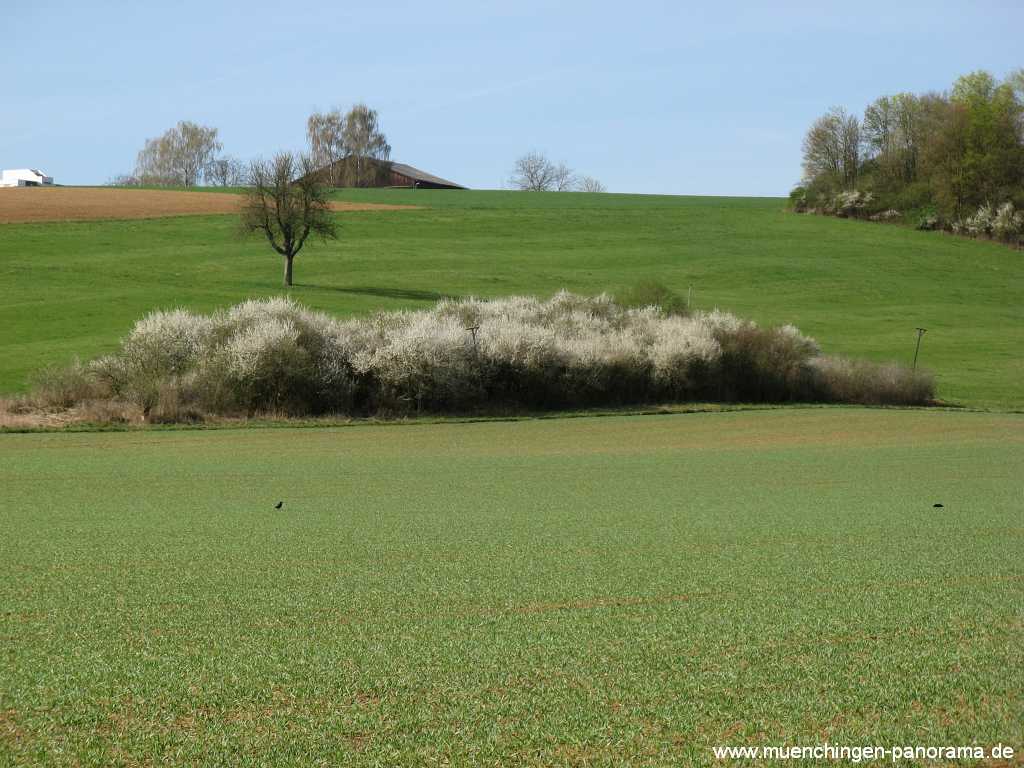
(466, 355)
(998, 222)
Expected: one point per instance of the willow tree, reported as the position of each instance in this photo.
(179, 157)
(326, 143)
(287, 202)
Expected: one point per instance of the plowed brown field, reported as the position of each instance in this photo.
(85, 203)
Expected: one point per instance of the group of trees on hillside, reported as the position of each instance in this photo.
(534, 172)
(347, 149)
(952, 160)
(189, 154)
(184, 156)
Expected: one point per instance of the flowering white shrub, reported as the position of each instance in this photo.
(806, 343)
(568, 351)
(851, 202)
(1007, 224)
(516, 343)
(169, 342)
(425, 357)
(1003, 223)
(718, 322)
(981, 222)
(260, 349)
(685, 347)
(888, 215)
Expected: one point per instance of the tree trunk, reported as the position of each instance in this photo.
(288, 270)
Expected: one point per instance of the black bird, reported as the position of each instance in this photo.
(936, 505)
(281, 504)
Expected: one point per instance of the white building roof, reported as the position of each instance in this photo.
(17, 177)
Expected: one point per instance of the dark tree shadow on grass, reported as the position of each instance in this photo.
(387, 293)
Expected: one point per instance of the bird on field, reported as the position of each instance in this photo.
(279, 505)
(936, 505)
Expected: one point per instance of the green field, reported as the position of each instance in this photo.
(564, 591)
(588, 591)
(75, 288)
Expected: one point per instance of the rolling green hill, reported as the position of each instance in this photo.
(598, 591)
(74, 288)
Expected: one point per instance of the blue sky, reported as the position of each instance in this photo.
(674, 97)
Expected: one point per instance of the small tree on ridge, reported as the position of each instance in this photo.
(287, 203)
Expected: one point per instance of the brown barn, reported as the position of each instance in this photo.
(403, 175)
(385, 173)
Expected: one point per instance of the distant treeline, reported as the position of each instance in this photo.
(952, 160)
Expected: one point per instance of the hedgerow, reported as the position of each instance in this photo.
(465, 355)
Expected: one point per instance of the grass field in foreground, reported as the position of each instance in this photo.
(76, 288)
(558, 592)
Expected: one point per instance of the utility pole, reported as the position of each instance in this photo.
(920, 332)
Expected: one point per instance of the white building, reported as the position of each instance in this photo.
(25, 177)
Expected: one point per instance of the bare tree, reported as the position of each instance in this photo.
(832, 147)
(822, 152)
(287, 202)
(326, 143)
(891, 132)
(226, 171)
(533, 173)
(590, 184)
(179, 157)
(564, 178)
(124, 180)
(850, 143)
(365, 144)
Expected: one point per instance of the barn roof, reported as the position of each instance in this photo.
(417, 175)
